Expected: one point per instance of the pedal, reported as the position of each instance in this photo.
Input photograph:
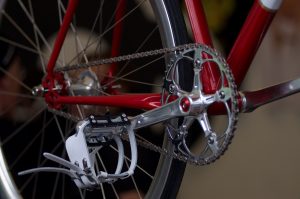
(75, 172)
(92, 134)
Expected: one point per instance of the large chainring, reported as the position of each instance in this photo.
(226, 95)
(214, 142)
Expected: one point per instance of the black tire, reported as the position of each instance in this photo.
(169, 172)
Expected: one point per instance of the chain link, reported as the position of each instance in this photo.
(127, 57)
(140, 142)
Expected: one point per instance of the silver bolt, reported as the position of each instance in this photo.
(172, 88)
(211, 140)
(197, 62)
(222, 94)
(38, 90)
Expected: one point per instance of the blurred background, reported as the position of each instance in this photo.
(263, 161)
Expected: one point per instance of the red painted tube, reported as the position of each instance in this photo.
(249, 39)
(117, 35)
(135, 101)
(61, 36)
(201, 35)
(198, 22)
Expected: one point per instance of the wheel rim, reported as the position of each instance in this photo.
(165, 163)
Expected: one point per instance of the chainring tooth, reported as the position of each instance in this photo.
(229, 133)
(178, 50)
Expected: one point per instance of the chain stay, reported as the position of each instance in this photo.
(147, 144)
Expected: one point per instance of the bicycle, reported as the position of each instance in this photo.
(195, 82)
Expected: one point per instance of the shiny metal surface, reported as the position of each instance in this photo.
(86, 84)
(7, 186)
(167, 33)
(163, 113)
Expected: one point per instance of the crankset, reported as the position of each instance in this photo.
(215, 141)
(186, 107)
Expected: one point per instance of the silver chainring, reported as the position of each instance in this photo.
(226, 94)
(215, 142)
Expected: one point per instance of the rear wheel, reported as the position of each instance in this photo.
(28, 129)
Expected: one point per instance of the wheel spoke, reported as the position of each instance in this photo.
(55, 185)
(77, 39)
(34, 43)
(98, 17)
(134, 81)
(133, 181)
(8, 93)
(37, 39)
(133, 71)
(29, 145)
(12, 135)
(10, 107)
(111, 184)
(22, 46)
(82, 194)
(39, 156)
(34, 25)
(26, 183)
(108, 29)
(15, 79)
(19, 29)
(138, 49)
(139, 167)
(59, 129)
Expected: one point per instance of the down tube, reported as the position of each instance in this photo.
(250, 37)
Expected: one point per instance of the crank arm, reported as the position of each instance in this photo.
(255, 99)
(177, 108)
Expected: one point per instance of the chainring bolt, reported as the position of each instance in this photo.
(222, 94)
(172, 89)
(185, 104)
(211, 140)
(198, 63)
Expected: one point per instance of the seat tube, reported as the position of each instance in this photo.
(117, 34)
(201, 35)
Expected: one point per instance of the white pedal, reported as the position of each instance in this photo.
(78, 153)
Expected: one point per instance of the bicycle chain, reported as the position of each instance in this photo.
(147, 144)
(127, 57)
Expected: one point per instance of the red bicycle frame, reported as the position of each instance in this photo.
(239, 59)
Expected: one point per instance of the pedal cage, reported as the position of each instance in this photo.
(92, 134)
